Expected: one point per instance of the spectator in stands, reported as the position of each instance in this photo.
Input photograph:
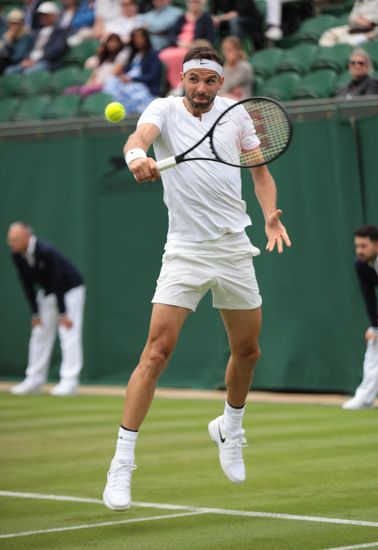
(32, 20)
(76, 15)
(160, 22)
(139, 82)
(362, 26)
(239, 18)
(109, 61)
(105, 12)
(274, 19)
(361, 83)
(16, 42)
(49, 46)
(128, 20)
(237, 72)
(366, 246)
(195, 24)
(286, 20)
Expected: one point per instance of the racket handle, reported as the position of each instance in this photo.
(164, 164)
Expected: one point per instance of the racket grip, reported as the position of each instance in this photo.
(164, 164)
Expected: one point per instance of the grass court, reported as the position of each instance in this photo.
(312, 477)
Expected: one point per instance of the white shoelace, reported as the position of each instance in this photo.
(233, 447)
(120, 476)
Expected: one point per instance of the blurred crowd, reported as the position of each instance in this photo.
(141, 45)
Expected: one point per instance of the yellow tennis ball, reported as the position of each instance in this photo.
(115, 112)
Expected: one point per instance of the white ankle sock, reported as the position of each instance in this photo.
(232, 419)
(125, 445)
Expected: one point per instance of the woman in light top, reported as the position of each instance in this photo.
(237, 71)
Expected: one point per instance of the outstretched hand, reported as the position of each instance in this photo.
(276, 232)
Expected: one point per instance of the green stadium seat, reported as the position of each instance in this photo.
(343, 79)
(280, 86)
(320, 83)
(83, 76)
(372, 49)
(312, 29)
(32, 108)
(94, 105)
(257, 83)
(34, 83)
(334, 57)
(297, 59)
(10, 84)
(79, 54)
(343, 19)
(63, 106)
(68, 76)
(8, 107)
(264, 62)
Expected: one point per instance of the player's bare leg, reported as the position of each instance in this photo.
(165, 327)
(243, 329)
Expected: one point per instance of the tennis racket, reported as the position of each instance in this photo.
(272, 126)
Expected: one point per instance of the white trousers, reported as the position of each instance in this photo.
(368, 389)
(340, 35)
(274, 12)
(43, 337)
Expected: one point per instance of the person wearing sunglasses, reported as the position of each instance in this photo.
(361, 83)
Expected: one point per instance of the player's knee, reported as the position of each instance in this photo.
(156, 356)
(248, 356)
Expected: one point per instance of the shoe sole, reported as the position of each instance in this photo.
(111, 507)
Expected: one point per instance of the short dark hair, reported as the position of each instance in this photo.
(204, 52)
(370, 231)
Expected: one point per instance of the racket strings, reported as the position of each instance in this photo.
(261, 115)
(272, 128)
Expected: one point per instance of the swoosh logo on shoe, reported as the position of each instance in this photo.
(223, 439)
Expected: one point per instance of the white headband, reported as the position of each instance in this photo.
(203, 64)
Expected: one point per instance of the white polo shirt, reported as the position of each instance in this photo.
(203, 198)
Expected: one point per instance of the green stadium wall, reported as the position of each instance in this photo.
(75, 192)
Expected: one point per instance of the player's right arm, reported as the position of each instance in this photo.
(142, 167)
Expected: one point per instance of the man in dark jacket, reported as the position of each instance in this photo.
(366, 245)
(49, 46)
(59, 303)
(361, 83)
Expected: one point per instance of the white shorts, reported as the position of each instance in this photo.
(223, 265)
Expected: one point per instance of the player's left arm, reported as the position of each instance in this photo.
(266, 194)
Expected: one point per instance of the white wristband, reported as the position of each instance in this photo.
(133, 154)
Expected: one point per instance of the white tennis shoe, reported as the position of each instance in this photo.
(230, 450)
(65, 388)
(117, 493)
(355, 404)
(27, 386)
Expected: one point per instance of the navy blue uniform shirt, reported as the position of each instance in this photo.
(368, 279)
(50, 271)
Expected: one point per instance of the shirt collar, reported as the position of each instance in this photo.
(30, 251)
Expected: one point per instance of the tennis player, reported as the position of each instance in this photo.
(207, 248)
